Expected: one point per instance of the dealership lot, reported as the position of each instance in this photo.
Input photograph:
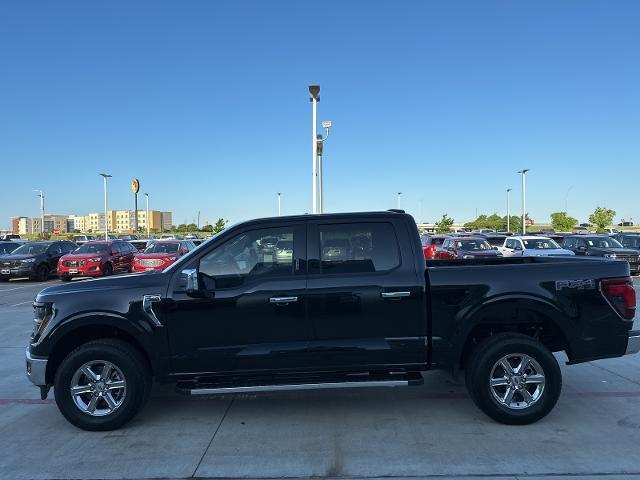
(431, 430)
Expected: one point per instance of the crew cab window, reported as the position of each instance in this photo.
(256, 254)
(358, 248)
(510, 243)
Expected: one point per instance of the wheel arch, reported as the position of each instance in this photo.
(529, 315)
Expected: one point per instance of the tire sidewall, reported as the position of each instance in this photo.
(129, 367)
(481, 391)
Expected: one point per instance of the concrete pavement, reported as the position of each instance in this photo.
(420, 432)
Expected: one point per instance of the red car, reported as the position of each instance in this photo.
(431, 244)
(465, 248)
(96, 259)
(160, 254)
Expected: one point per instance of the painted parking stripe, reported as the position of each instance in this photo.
(21, 303)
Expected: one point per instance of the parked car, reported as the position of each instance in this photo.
(431, 243)
(580, 230)
(80, 239)
(170, 236)
(603, 246)
(8, 246)
(625, 224)
(36, 260)
(494, 239)
(128, 237)
(10, 236)
(465, 248)
(532, 246)
(230, 317)
(160, 254)
(611, 230)
(629, 240)
(140, 245)
(97, 259)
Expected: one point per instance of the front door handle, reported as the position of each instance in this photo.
(395, 294)
(283, 300)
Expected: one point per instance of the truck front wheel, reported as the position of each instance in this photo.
(513, 378)
(102, 384)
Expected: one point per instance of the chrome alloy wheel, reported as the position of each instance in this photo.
(517, 381)
(98, 388)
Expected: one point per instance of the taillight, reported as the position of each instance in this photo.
(621, 296)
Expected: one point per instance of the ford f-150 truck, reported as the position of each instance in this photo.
(350, 302)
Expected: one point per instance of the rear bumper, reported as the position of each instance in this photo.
(36, 369)
(633, 344)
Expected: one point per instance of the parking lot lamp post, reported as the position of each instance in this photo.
(508, 212)
(106, 223)
(146, 196)
(523, 172)
(398, 200)
(279, 204)
(41, 195)
(314, 90)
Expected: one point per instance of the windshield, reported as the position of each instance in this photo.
(93, 248)
(473, 245)
(603, 242)
(162, 247)
(540, 244)
(631, 242)
(31, 249)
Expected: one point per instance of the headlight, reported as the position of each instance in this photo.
(97, 259)
(42, 313)
(170, 259)
(610, 255)
(28, 260)
(468, 256)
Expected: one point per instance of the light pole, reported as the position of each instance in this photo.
(508, 212)
(319, 152)
(146, 197)
(279, 204)
(398, 200)
(523, 172)
(314, 90)
(566, 200)
(106, 223)
(41, 195)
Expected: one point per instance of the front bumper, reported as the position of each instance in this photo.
(36, 370)
(92, 270)
(16, 272)
(633, 344)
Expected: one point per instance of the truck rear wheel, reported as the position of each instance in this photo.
(102, 384)
(513, 378)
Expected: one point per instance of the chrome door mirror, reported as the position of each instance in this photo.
(192, 285)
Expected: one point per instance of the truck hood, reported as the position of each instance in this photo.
(155, 282)
(532, 252)
(11, 256)
(83, 256)
(621, 251)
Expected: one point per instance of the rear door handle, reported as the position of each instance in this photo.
(283, 300)
(395, 294)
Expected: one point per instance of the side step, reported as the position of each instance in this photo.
(403, 380)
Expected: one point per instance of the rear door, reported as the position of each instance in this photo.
(364, 297)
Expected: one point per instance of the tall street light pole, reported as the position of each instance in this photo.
(146, 197)
(279, 204)
(508, 212)
(314, 90)
(41, 195)
(106, 223)
(398, 200)
(523, 172)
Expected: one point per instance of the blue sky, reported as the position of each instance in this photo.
(206, 102)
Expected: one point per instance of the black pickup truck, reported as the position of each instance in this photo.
(327, 301)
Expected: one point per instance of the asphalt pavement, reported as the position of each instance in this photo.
(431, 431)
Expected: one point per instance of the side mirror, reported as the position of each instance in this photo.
(192, 287)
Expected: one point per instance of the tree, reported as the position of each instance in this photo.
(561, 222)
(207, 228)
(602, 217)
(444, 225)
(219, 225)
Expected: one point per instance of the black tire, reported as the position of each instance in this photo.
(42, 273)
(107, 269)
(480, 369)
(65, 278)
(4, 279)
(124, 357)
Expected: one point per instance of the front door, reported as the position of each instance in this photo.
(251, 314)
(364, 296)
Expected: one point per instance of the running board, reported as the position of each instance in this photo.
(402, 381)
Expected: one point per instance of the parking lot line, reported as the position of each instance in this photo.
(21, 303)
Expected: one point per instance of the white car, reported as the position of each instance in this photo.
(532, 246)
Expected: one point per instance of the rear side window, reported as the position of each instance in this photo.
(358, 248)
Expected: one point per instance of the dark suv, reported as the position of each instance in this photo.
(36, 260)
(9, 246)
(602, 246)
